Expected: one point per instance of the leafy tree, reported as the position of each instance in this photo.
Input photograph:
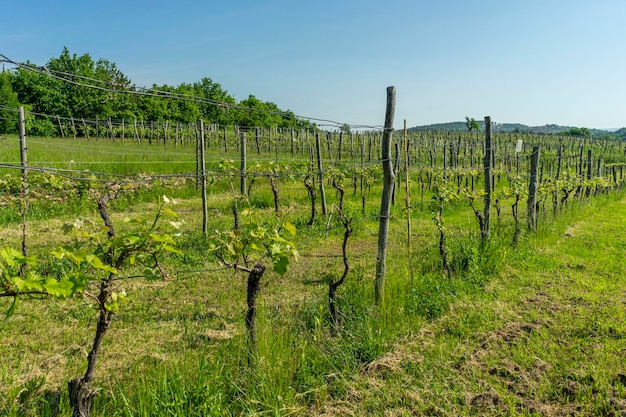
(257, 113)
(47, 94)
(8, 98)
(471, 124)
(578, 131)
(209, 90)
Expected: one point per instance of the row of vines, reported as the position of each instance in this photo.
(440, 170)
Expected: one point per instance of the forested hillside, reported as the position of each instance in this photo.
(115, 96)
(521, 128)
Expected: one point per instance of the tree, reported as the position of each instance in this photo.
(67, 90)
(578, 131)
(207, 89)
(471, 124)
(8, 99)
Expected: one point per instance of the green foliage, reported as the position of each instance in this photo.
(93, 257)
(471, 124)
(8, 98)
(255, 239)
(204, 99)
(578, 131)
(12, 281)
(96, 256)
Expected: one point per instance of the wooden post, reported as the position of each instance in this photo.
(532, 190)
(61, 128)
(225, 139)
(198, 165)
(484, 233)
(203, 180)
(24, 178)
(385, 205)
(111, 129)
(589, 172)
(579, 169)
(340, 145)
(559, 158)
(135, 132)
(242, 170)
(320, 173)
(328, 143)
(396, 164)
(276, 147)
(362, 166)
(86, 130)
(408, 205)
(73, 127)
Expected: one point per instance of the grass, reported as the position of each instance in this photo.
(513, 332)
(546, 338)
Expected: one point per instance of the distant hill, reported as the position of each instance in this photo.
(514, 127)
(621, 133)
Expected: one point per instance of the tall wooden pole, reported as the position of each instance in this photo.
(24, 177)
(320, 173)
(385, 205)
(485, 232)
(408, 204)
(532, 190)
(203, 180)
(242, 170)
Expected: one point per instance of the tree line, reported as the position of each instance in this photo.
(40, 92)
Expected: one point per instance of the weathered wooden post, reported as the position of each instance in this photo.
(203, 180)
(136, 133)
(408, 204)
(110, 124)
(24, 178)
(61, 128)
(320, 173)
(531, 204)
(485, 232)
(589, 172)
(385, 205)
(86, 129)
(396, 164)
(242, 166)
(340, 145)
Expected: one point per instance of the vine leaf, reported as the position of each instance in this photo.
(290, 228)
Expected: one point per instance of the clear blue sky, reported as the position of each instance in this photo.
(531, 61)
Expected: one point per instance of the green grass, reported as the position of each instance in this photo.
(546, 338)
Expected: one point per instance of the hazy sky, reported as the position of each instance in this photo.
(532, 62)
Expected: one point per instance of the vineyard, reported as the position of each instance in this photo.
(191, 269)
